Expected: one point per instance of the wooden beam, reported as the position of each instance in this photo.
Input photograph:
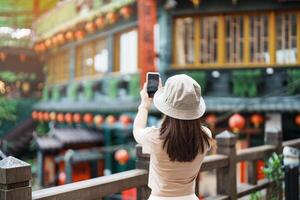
(246, 39)
(272, 37)
(197, 41)
(298, 37)
(147, 17)
(36, 7)
(14, 13)
(221, 40)
(95, 188)
(116, 66)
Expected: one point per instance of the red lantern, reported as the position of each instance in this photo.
(36, 48)
(122, 156)
(2, 56)
(41, 116)
(69, 35)
(48, 43)
(257, 120)
(88, 118)
(22, 57)
(110, 119)
(98, 120)
(52, 116)
(60, 117)
(68, 118)
(125, 119)
(42, 47)
(46, 116)
(34, 115)
(79, 35)
(54, 40)
(77, 118)
(125, 12)
(297, 119)
(89, 27)
(237, 122)
(211, 119)
(60, 38)
(62, 178)
(111, 17)
(100, 22)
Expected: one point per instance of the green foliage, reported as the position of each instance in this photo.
(8, 109)
(113, 87)
(72, 92)
(199, 76)
(55, 93)
(274, 172)
(45, 94)
(20, 108)
(88, 90)
(245, 82)
(256, 196)
(42, 128)
(134, 86)
(293, 81)
(8, 76)
(11, 77)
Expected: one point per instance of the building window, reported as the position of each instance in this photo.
(58, 67)
(286, 41)
(126, 57)
(101, 56)
(267, 38)
(85, 61)
(259, 35)
(208, 39)
(184, 40)
(234, 36)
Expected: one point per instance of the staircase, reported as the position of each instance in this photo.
(17, 141)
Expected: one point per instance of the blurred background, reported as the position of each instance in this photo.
(71, 70)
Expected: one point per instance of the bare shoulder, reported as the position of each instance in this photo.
(207, 131)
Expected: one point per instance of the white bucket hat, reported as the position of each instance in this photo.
(180, 98)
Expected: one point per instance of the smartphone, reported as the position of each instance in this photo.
(152, 83)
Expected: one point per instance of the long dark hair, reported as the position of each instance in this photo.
(183, 139)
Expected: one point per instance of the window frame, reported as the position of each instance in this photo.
(58, 67)
(116, 68)
(78, 75)
(221, 50)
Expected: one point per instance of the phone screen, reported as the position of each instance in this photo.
(152, 86)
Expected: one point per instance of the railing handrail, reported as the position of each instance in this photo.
(96, 187)
(213, 162)
(108, 185)
(255, 153)
(292, 143)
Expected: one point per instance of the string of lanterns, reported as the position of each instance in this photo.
(237, 122)
(90, 27)
(3, 56)
(122, 156)
(78, 118)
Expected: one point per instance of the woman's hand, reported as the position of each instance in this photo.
(146, 101)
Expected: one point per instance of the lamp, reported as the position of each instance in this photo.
(170, 4)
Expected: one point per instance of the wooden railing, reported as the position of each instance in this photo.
(15, 178)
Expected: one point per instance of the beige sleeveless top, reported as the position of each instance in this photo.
(166, 178)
